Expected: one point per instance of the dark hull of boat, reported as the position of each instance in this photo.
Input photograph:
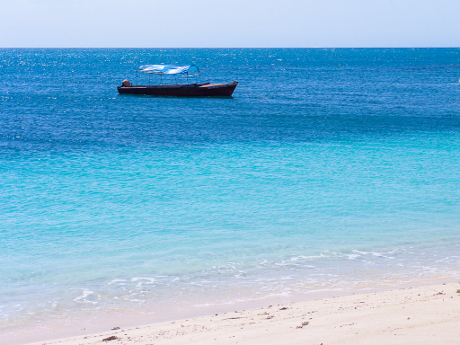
(186, 90)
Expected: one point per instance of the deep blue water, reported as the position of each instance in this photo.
(327, 169)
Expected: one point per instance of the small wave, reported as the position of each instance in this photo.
(143, 280)
(82, 298)
(359, 252)
(353, 256)
(116, 281)
(382, 256)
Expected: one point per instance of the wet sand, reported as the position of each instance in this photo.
(421, 315)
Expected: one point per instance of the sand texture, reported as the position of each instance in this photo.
(422, 315)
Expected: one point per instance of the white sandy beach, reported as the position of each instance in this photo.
(421, 315)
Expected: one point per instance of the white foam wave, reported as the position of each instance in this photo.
(82, 298)
(143, 280)
(116, 281)
(382, 256)
(353, 256)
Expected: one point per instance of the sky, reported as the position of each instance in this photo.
(234, 23)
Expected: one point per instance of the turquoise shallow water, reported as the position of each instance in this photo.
(345, 174)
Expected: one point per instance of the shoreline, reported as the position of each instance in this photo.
(431, 307)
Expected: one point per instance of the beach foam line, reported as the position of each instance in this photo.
(421, 315)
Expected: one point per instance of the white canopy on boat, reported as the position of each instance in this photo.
(168, 69)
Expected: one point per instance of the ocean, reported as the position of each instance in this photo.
(330, 170)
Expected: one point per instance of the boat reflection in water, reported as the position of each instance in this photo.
(178, 90)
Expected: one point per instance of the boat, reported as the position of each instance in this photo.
(196, 89)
